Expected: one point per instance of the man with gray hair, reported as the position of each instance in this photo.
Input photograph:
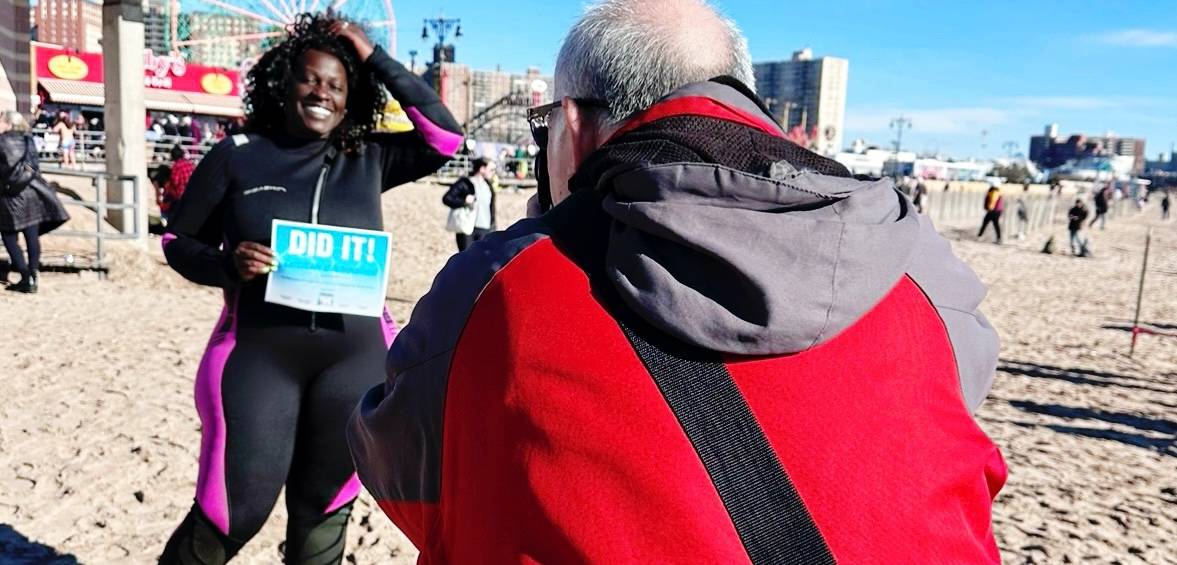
(712, 346)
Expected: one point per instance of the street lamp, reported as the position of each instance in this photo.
(899, 124)
(441, 27)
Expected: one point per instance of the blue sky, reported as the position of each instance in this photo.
(955, 68)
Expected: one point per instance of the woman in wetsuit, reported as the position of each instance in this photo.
(276, 384)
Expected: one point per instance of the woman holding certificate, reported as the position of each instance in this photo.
(277, 383)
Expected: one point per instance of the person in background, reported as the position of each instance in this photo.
(1165, 204)
(195, 131)
(171, 126)
(66, 131)
(159, 179)
(30, 212)
(1022, 213)
(474, 192)
(1076, 217)
(920, 196)
(521, 158)
(1101, 207)
(177, 180)
(994, 206)
(155, 132)
(185, 127)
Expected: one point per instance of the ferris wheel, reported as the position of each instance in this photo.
(272, 16)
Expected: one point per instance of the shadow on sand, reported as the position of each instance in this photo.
(16, 549)
(1153, 433)
(1089, 377)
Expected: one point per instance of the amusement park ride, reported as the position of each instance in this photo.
(273, 16)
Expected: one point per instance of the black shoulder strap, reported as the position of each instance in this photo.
(769, 515)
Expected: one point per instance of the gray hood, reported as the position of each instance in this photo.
(747, 264)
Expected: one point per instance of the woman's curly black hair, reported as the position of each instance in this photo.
(270, 81)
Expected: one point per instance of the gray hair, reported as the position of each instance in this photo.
(16, 120)
(631, 53)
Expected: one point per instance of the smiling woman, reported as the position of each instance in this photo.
(276, 383)
(314, 86)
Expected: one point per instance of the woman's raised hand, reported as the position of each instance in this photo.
(356, 36)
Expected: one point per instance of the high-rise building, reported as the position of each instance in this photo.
(157, 25)
(15, 90)
(1050, 150)
(76, 24)
(213, 39)
(807, 93)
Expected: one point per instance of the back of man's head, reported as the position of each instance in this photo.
(631, 53)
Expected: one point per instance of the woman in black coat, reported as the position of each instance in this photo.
(32, 211)
(475, 193)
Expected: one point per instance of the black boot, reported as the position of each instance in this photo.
(198, 542)
(27, 284)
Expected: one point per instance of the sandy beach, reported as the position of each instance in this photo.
(99, 441)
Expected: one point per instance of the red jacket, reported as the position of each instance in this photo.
(174, 188)
(519, 426)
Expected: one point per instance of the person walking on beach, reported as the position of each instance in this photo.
(29, 207)
(66, 132)
(1101, 208)
(920, 196)
(276, 384)
(1076, 216)
(994, 207)
(565, 394)
(472, 204)
(1023, 215)
(1165, 204)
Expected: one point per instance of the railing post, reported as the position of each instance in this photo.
(100, 216)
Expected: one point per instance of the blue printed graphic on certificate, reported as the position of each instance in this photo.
(329, 269)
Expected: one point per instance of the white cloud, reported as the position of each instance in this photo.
(1138, 38)
(943, 120)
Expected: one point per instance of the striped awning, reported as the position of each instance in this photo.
(93, 94)
(73, 92)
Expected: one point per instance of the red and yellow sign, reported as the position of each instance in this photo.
(165, 72)
(68, 67)
(217, 83)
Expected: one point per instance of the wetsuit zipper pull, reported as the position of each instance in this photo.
(315, 220)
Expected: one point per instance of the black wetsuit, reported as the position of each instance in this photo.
(276, 384)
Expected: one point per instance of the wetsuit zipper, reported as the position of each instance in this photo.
(315, 221)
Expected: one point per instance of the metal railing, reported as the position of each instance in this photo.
(100, 206)
(90, 147)
(958, 209)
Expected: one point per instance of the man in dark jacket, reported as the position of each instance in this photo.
(717, 347)
(476, 193)
(1102, 198)
(1075, 218)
